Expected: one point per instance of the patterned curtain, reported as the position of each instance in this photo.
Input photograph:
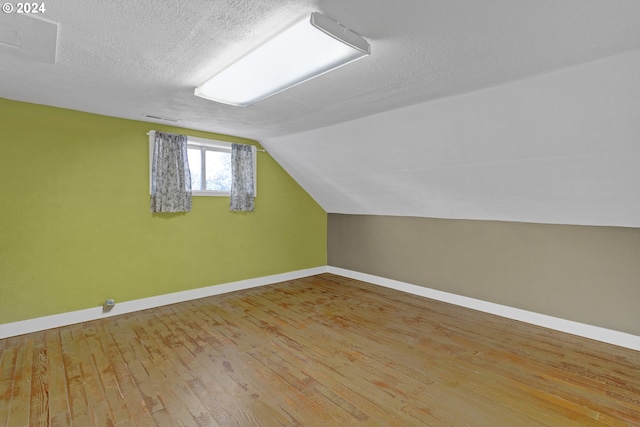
(242, 191)
(170, 176)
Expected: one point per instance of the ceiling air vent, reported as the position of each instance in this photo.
(166, 119)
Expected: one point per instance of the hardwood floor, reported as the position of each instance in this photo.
(319, 351)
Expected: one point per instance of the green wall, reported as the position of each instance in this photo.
(75, 226)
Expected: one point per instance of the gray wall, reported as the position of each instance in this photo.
(586, 274)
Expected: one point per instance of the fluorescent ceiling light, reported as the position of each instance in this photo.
(306, 50)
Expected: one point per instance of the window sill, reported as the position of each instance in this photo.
(210, 193)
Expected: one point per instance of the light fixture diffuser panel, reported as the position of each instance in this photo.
(306, 50)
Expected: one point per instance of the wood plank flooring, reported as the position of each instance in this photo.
(320, 351)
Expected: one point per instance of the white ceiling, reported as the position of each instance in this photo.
(457, 81)
(128, 58)
(560, 148)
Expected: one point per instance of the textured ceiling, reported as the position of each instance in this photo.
(128, 58)
(561, 148)
(518, 110)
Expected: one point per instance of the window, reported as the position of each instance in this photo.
(210, 169)
(209, 164)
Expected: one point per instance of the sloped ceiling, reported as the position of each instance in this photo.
(469, 91)
(560, 148)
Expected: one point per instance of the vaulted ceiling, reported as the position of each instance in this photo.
(493, 109)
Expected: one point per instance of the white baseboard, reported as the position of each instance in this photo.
(63, 319)
(621, 339)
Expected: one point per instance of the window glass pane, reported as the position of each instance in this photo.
(195, 167)
(218, 170)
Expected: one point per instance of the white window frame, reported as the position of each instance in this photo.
(210, 144)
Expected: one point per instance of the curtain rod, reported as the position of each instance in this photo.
(257, 149)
